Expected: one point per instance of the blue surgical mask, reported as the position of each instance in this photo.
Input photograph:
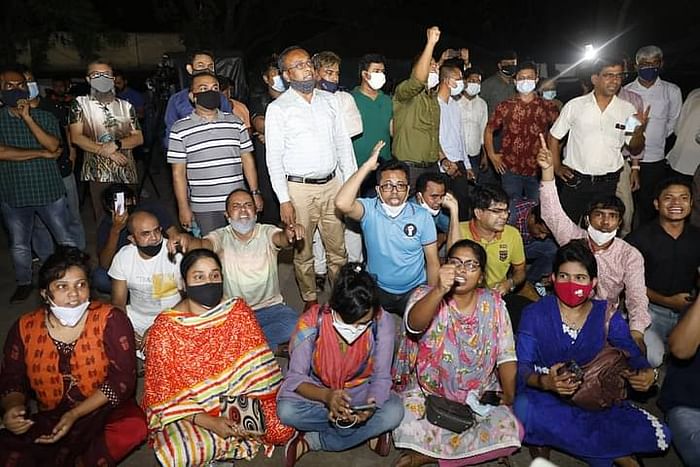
(473, 88)
(33, 89)
(649, 74)
(549, 94)
(525, 86)
(278, 84)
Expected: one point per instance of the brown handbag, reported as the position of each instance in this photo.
(603, 384)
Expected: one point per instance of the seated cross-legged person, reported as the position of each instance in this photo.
(459, 345)
(400, 237)
(205, 351)
(570, 327)
(76, 359)
(145, 274)
(248, 251)
(337, 392)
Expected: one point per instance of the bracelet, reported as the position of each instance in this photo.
(635, 167)
(255, 192)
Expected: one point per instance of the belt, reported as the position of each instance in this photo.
(608, 177)
(312, 181)
(420, 165)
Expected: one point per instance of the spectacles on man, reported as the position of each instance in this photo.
(499, 211)
(470, 265)
(399, 187)
(610, 76)
(300, 66)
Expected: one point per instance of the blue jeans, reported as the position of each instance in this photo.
(663, 320)
(20, 224)
(277, 322)
(518, 187)
(100, 280)
(685, 426)
(322, 435)
(540, 254)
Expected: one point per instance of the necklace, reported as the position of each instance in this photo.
(575, 324)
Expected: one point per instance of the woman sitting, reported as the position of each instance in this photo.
(203, 354)
(78, 359)
(458, 345)
(337, 392)
(570, 327)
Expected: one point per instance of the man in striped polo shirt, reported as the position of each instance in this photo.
(211, 155)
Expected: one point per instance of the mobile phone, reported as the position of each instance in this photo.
(491, 398)
(119, 204)
(572, 367)
(364, 407)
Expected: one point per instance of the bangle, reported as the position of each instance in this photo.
(635, 167)
(194, 419)
(656, 375)
(255, 192)
(512, 284)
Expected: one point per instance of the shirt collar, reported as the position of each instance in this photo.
(198, 118)
(475, 232)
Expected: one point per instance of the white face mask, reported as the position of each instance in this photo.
(243, 225)
(433, 79)
(376, 80)
(33, 89)
(69, 316)
(473, 89)
(349, 332)
(457, 90)
(525, 86)
(599, 237)
(424, 205)
(278, 84)
(393, 211)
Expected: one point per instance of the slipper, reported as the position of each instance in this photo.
(381, 444)
(295, 449)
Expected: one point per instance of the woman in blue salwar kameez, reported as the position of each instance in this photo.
(570, 326)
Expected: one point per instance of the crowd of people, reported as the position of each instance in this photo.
(471, 235)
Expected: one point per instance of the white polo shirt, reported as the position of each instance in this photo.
(596, 137)
(665, 100)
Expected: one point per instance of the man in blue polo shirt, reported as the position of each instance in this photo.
(400, 236)
(179, 104)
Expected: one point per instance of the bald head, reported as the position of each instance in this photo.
(139, 219)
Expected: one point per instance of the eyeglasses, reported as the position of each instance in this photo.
(101, 74)
(398, 187)
(301, 65)
(611, 76)
(470, 265)
(499, 211)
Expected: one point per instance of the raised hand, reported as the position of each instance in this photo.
(544, 155)
(464, 55)
(433, 34)
(373, 161)
(446, 277)
(450, 202)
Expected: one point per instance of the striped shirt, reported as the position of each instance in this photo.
(212, 151)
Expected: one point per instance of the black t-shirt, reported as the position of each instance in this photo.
(670, 265)
(59, 109)
(258, 104)
(154, 208)
(682, 384)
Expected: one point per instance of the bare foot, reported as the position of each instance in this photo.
(413, 459)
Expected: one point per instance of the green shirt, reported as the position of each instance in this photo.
(416, 122)
(376, 117)
(495, 90)
(35, 182)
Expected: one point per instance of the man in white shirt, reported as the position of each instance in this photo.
(684, 158)
(456, 163)
(145, 273)
(475, 116)
(664, 100)
(309, 155)
(596, 123)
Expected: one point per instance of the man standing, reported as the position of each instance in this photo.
(684, 158)
(629, 177)
(665, 100)
(180, 104)
(30, 183)
(671, 252)
(598, 128)
(475, 116)
(211, 155)
(132, 96)
(400, 236)
(521, 119)
(106, 128)
(307, 145)
(499, 86)
(145, 278)
(417, 114)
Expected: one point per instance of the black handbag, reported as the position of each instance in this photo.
(448, 414)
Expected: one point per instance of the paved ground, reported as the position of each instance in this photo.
(358, 457)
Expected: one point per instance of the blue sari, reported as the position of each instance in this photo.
(549, 420)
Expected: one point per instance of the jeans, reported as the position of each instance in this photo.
(394, 303)
(20, 224)
(100, 280)
(540, 254)
(663, 320)
(685, 426)
(209, 221)
(322, 435)
(277, 322)
(518, 187)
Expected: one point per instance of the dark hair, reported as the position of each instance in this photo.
(576, 251)
(193, 256)
(475, 247)
(393, 164)
(536, 212)
(325, 59)
(201, 73)
(110, 192)
(366, 60)
(670, 181)
(100, 61)
(507, 55)
(447, 67)
(56, 265)
(605, 61)
(283, 55)
(117, 72)
(485, 195)
(237, 190)
(269, 63)
(224, 82)
(15, 68)
(194, 52)
(355, 292)
(526, 66)
(425, 177)
(473, 71)
(607, 202)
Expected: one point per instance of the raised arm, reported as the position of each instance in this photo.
(346, 199)
(47, 137)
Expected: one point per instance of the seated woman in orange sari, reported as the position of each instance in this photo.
(204, 351)
(78, 360)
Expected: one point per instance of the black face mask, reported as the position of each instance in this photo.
(208, 295)
(10, 97)
(150, 250)
(210, 100)
(508, 70)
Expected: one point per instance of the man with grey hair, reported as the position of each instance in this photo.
(665, 100)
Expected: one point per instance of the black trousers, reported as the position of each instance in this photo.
(650, 174)
(576, 194)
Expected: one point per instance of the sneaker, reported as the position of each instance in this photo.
(295, 449)
(320, 283)
(381, 444)
(22, 292)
